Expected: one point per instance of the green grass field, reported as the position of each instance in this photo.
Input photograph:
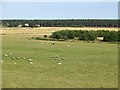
(86, 65)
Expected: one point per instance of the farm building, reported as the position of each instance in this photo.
(100, 38)
(26, 24)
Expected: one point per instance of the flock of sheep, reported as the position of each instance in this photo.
(30, 61)
(56, 58)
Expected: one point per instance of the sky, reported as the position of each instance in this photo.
(59, 10)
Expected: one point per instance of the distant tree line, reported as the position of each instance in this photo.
(108, 36)
(62, 23)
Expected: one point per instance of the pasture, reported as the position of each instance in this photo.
(85, 65)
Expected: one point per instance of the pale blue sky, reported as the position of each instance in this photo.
(59, 10)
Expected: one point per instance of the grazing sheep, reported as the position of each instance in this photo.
(41, 43)
(59, 63)
(1, 61)
(11, 54)
(24, 58)
(14, 62)
(30, 62)
(18, 57)
(56, 56)
(5, 55)
(13, 58)
(68, 45)
(62, 58)
(53, 57)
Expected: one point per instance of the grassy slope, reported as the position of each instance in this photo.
(85, 65)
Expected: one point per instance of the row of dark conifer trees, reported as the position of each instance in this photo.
(63, 23)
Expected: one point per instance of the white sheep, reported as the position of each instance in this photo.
(56, 56)
(62, 58)
(14, 62)
(24, 58)
(68, 45)
(30, 62)
(59, 63)
(18, 57)
(5, 55)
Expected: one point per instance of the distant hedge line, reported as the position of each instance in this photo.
(62, 23)
(108, 36)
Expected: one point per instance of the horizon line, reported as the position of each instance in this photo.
(52, 18)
